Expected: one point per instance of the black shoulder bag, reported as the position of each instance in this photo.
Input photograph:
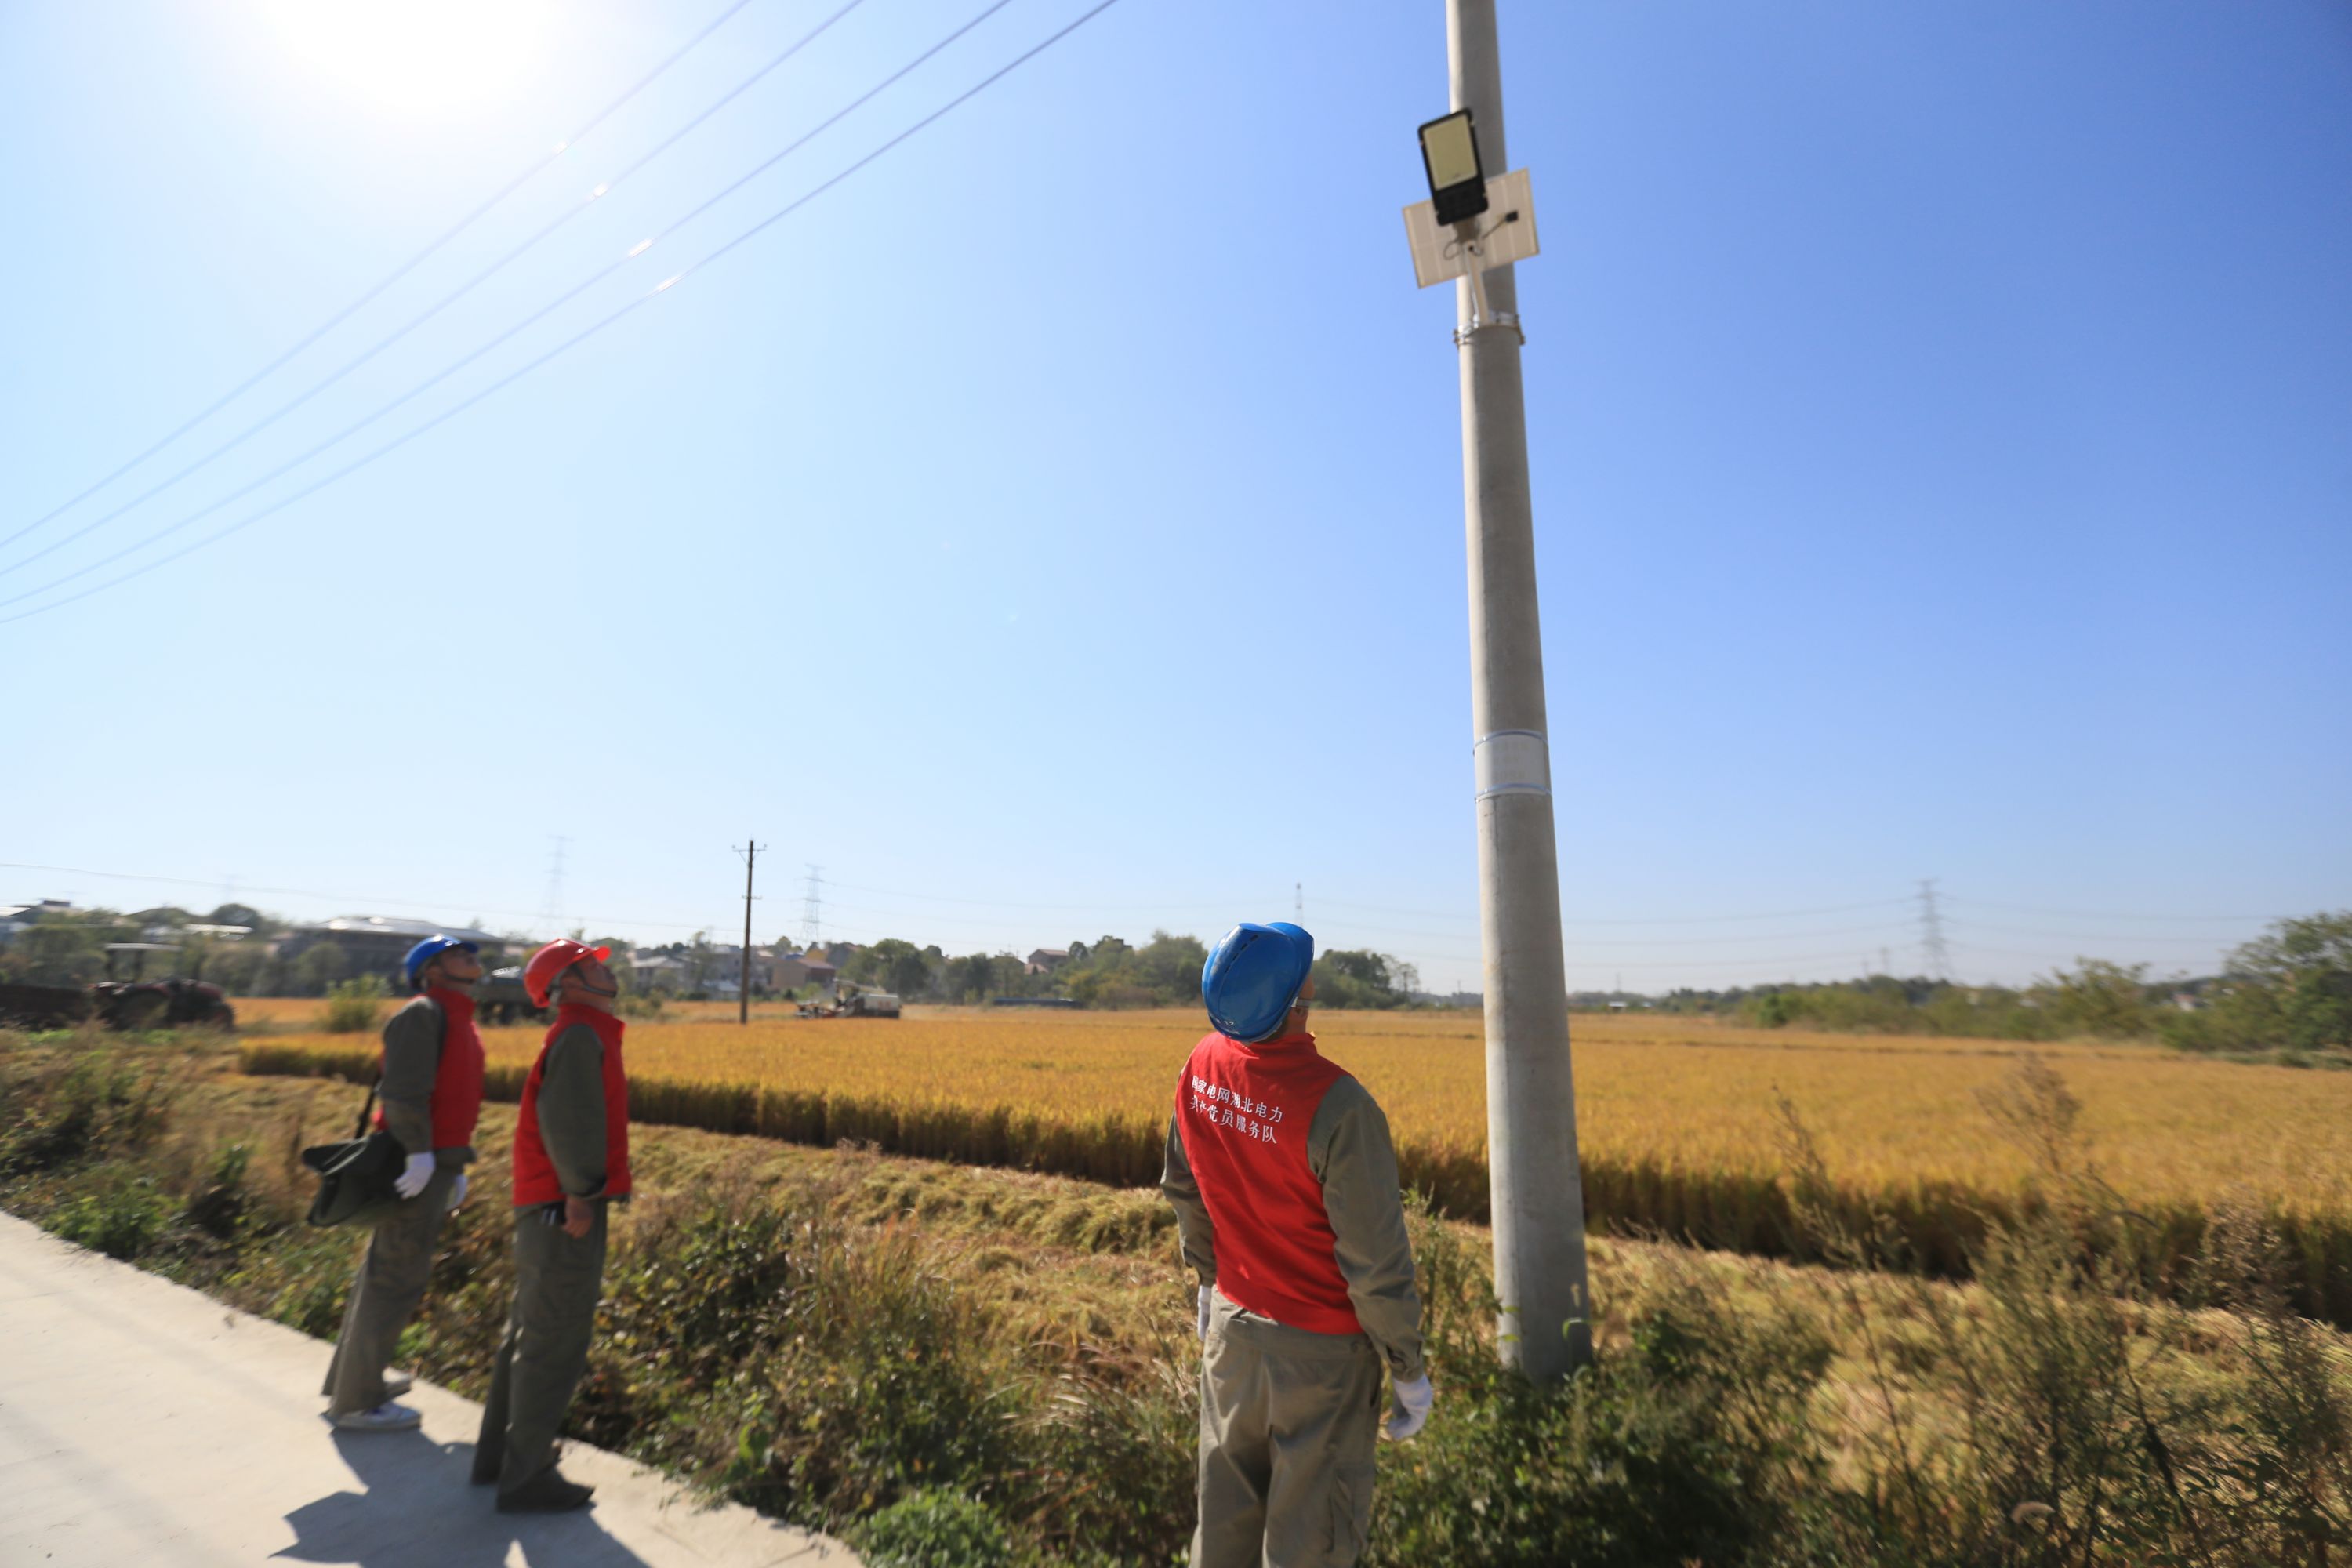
(356, 1176)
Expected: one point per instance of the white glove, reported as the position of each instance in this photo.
(457, 1192)
(413, 1175)
(1208, 1294)
(1410, 1413)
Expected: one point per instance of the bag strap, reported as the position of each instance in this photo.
(359, 1129)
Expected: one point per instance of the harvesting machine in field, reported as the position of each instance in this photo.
(170, 1004)
(856, 1004)
(500, 998)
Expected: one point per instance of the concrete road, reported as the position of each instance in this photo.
(145, 1426)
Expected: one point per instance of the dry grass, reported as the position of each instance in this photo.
(1675, 1117)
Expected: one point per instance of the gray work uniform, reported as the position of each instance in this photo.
(399, 1258)
(1289, 1418)
(558, 1278)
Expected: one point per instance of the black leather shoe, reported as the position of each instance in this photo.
(549, 1493)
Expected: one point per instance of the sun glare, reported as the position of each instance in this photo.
(419, 56)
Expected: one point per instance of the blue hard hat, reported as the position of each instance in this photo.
(1252, 977)
(425, 952)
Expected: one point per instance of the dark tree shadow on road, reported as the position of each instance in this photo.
(417, 1510)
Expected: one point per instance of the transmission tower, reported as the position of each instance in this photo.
(813, 908)
(1298, 903)
(1932, 949)
(550, 912)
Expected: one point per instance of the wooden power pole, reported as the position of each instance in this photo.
(750, 853)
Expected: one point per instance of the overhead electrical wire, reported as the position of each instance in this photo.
(347, 899)
(1657, 920)
(601, 189)
(2018, 953)
(1660, 941)
(561, 300)
(397, 273)
(1762, 963)
(2097, 914)
(2112, 937)
(1386, 908)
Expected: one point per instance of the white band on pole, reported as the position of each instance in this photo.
(1512, 761)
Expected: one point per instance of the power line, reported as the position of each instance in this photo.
(2100, 915)
(1657, 920)
(349, 900)
(1967, 925)
(544, 311)
(601, 190)
(1662, 941)
(1466, 919)
(397, 273)
(1758, 963)
(2050, 958)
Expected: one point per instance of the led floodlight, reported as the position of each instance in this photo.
(1457, 182)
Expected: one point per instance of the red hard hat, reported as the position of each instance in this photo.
(551, 961)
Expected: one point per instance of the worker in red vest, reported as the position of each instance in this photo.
(430, 1098)
(1285, 1185)
(570, 1163)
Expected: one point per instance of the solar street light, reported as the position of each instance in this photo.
(1457, 181)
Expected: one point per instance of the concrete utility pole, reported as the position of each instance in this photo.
(1537, 1189)
(750, 853)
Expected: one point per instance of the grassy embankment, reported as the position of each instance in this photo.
(1675, 1117)
(839, 1337)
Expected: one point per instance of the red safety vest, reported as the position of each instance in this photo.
(457, 1103)
(1244, 1110)
(535, 1181)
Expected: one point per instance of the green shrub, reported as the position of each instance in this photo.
(1110, 1456)
(934, 1529)
(1691, 1445)
(878, 1385)
(218, 1204)
(354, 1004)
(121, 1216)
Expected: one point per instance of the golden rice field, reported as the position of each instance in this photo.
(1676, 1118)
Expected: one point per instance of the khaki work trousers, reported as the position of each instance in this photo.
(1288, 1422)
(558, 1282)
(392, 1279)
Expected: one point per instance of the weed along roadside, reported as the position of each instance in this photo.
(899, 1349)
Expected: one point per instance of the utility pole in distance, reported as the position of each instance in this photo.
(750, 853)
(1537, 1188)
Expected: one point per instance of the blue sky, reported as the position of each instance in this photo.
(1939, 419)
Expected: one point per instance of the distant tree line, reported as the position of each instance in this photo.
(1110, 973)
(68, 947)
(2289, 991)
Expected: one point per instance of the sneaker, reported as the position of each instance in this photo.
(396, 1384)
(548, 1493)
(384, 1417)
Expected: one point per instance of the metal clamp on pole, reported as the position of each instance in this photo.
(1500, 318)
(1512, 761)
